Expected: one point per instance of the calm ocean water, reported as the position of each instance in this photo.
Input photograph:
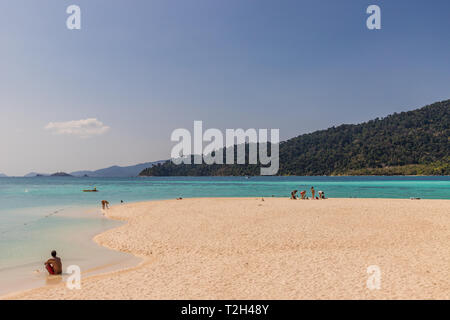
(40, 214)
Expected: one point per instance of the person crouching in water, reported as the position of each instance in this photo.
(54, 265)
(105, 204)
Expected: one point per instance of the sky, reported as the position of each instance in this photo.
(113, 92)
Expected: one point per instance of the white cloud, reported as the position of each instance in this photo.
(82, 128)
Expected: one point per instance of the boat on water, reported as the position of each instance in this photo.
(91, 190)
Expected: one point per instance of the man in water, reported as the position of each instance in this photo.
(54, 265)
(313, 192)
(105, 204)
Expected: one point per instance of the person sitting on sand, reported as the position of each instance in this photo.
(294, 195)
(303, 194)
(105, 204)
(313, 192)
(54, 265)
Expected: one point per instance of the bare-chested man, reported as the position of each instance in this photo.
(105, 204)
(54, 265)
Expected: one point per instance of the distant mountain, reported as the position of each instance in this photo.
(116, 171)
(408, 143)
(111, 172)
(61, 174)
(56, 174)
(3, 175)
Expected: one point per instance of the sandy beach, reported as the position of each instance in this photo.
(247, 248)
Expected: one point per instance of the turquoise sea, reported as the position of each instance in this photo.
(45, 213)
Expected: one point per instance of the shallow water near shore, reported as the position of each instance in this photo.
(45, 213)
(26, 245)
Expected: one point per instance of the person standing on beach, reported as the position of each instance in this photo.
(54, 264)
(105, 204)
(313, 192)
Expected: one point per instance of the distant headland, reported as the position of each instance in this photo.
(407, 143)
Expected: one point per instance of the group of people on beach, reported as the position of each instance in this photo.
(304, 197)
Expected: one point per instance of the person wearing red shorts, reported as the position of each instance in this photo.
(54, 265)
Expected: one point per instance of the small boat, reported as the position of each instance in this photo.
(93, 190)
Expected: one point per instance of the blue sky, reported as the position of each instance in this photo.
(144, 68)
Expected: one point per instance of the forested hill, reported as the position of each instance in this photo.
(407, 143)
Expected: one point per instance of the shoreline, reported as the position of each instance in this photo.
(95, 240)
(91, 256)
(135, 213)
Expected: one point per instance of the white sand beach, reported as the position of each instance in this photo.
(247, 248)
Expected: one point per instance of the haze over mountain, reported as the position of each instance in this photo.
(3, 175)
(117, 171)
(35, 174)
(407, 143)
(110, 172)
